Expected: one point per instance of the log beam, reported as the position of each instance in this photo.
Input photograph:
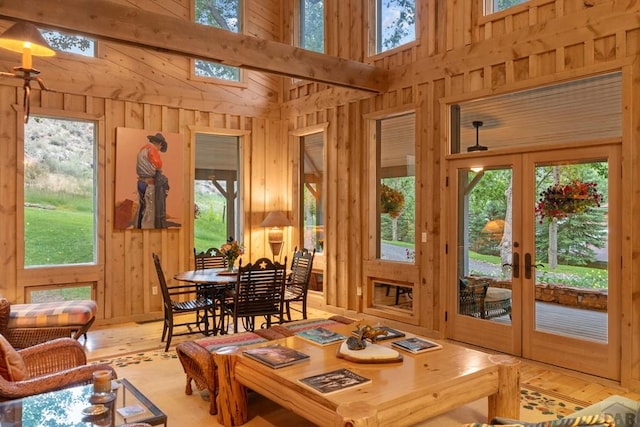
(105, 20)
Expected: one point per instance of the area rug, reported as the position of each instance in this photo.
(159, 375)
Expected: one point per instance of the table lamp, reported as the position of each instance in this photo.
(275, 221)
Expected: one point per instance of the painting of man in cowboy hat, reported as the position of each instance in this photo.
(150, 203)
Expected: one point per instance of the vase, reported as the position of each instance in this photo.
(231, 265)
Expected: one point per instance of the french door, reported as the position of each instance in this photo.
(533, 257)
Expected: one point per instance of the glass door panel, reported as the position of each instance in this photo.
(485, 280)
(570, 235)
(530, 274)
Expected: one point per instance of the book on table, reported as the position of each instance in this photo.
(321, 336)
(391, 333)
(416, 345)
(276, 356)
(331, 382)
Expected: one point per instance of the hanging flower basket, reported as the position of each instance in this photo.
(559, 201)
(391, 201)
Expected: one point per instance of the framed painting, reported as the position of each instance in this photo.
(149, 190)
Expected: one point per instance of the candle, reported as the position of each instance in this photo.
(26, 56)
(101, 382)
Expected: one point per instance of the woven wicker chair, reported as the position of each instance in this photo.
(25, 336)
(53, 365)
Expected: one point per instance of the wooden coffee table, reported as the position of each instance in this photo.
(404, 393)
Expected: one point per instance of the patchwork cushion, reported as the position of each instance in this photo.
(216, 342)
(12, 366)
(51, 314)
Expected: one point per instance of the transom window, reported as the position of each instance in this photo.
(70, 43)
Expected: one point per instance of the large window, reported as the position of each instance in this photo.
(313, 194)
(312, 25)
(396, 188)
(216, 187)
(395, 23)
(59, 192)
(226, 15)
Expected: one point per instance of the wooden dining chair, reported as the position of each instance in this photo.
(258, 292)
(201, 304)
(297, 284)
(211, 258)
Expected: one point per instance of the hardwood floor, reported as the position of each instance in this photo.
(110, 341)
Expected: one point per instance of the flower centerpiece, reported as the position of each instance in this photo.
(391, 201)
(559, 201)
(231, 250)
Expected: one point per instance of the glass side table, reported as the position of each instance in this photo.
(72, 407)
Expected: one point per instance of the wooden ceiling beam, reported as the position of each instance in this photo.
(106, 20)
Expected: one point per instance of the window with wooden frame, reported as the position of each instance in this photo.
(392, 24)
(396, 189)
(70, 43)
(495, 6)
(226, 15)
(60, 186)
(312, 208)
(311, 25)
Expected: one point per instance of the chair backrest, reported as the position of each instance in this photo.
(259, 288)
(166, 298)
(211, 258)
(301, 265)
(472, 297)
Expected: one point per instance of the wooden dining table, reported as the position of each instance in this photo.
(212, 282)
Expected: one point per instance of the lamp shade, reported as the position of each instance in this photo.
(276, 219)
(17, 37)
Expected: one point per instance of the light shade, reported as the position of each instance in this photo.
(16, 38)
(275, 221)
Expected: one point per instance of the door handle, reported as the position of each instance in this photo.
(527, 266)
(516, 265)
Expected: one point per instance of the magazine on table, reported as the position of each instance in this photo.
(276, 356)
(416, 345)
(321, 336)
(391, 333)
(331, 382)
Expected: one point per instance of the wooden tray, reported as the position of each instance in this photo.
(373, 353)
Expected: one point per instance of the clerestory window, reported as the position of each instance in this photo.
(226, 15)
(312, 25)
(395, 24)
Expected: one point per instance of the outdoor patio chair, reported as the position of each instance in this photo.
(471, 298)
